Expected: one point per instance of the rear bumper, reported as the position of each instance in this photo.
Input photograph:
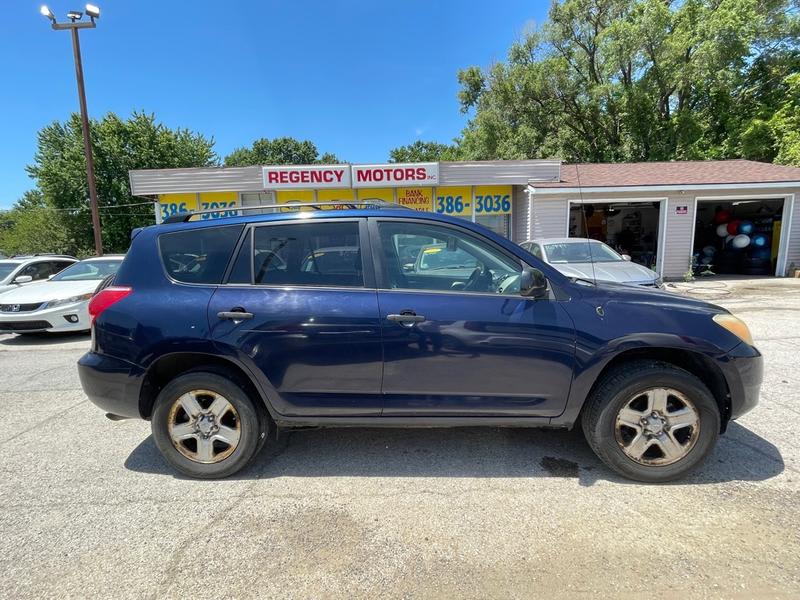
(111, 384)
(744, 371)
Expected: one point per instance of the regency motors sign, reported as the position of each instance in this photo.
(306, 176)
(345, 176)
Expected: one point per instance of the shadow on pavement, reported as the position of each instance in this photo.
(43, 339)
(740, 455)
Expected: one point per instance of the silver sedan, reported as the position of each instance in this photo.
(589, 259)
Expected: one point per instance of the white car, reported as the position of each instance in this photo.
(23, 270)
(593, 260)
(58, 304)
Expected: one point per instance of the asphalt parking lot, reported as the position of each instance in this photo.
(88, 507)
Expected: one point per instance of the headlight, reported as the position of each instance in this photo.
(735, 325)
(72, 300)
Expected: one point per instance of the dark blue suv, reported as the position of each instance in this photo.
(221, 331)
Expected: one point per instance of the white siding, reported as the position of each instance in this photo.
(521, 215)
(213, 179)
(498, 172)
(549, 217)
(677, 250)
(793, 242)
(248, 179)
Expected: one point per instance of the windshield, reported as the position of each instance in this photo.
(88, 270)
(580, 252)
(440, 257)
(6, 269)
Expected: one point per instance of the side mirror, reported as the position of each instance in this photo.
(23, 279)
(408, 267)
(626, 257)
(532, 283)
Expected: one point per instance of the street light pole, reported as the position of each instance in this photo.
(74, 25)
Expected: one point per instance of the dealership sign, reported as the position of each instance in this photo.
(306, 176)
(395, 175)
(345, 176)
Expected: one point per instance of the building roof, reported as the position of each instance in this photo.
(695, 172)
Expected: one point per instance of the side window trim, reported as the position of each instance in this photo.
(364, 240)
(245, 235)
(382, 279)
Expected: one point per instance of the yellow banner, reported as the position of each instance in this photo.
(416, 198)
(385, 194)
(172, 204)
(493, 200)
(456, 201)
(293, 197)
(335, 195)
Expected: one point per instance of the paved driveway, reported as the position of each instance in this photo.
(88, 508)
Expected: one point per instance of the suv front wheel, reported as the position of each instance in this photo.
(651, 421)
(206, 426)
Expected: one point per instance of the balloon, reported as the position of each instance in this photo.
(709, 250)
(721, 216)
(745, 227)
(733, 227)
(729, 238)
(741, 241)
(722, 230)
(759, 239)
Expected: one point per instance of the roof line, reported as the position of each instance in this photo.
(657, 188)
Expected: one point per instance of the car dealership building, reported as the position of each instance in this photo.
(731, 217)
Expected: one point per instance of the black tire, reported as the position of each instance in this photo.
(252, 424)
(615, 391)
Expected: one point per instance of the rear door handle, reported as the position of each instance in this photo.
(235, 315)
(406, 317)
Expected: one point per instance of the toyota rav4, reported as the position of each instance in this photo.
(222, 331)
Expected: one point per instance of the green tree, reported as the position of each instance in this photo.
(614, 80)
(421, 151)
(118, 145)
(278, 151)
(31, 226)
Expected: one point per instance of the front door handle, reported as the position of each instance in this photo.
(406, 317)
(235, 315)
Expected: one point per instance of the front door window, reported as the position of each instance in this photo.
(435, 258)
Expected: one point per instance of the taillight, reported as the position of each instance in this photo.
(105, 298)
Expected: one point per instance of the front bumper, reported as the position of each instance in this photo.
(111, 383)
(744, 371)
(68, 317)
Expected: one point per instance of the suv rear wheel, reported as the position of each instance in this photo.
(651, 421)
(206, 426)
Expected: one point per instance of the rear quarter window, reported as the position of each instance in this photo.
(198, 255)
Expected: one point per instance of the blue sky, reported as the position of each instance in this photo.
(357, 78)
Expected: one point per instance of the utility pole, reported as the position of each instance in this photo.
(74, 25)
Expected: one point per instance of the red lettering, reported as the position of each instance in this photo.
(409, 174)
(421, 173)
(339, 174)
(316, 176)
(272, 177)
(284, 177)
(327, 176)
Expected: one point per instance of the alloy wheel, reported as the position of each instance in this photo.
(204, 426)
(657, 427)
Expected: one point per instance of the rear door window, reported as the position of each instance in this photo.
(198, 255)
(317, 254)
